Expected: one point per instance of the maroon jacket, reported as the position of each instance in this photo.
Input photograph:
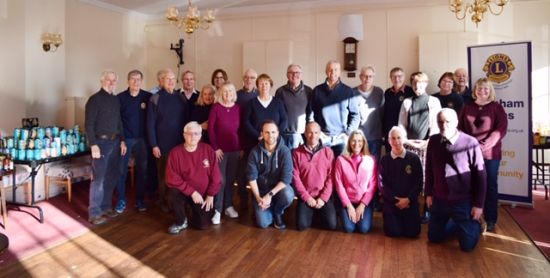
(488, 124)
(193, 171)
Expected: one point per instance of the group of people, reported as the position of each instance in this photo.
(322, 145)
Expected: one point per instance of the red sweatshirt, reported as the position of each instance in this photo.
(193, 171)
(312, 174)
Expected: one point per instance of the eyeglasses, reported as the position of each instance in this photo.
(192, 133)
(294, 72)
(250, 77)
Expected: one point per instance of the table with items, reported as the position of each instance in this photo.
(34, 147)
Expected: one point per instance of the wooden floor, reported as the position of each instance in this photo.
(137, 245)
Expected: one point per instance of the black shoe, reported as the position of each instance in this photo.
(279, 223)
(491, 227)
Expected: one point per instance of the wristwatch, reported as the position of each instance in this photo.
(270, 193)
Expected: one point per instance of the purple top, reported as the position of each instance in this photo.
(455, 172)
(223, 127)
(488, 124)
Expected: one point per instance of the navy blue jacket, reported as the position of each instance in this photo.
(337, 110)
(166, 116)
(133, 111)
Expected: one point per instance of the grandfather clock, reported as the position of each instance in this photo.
(350, 56)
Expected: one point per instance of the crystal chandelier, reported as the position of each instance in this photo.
(477, 9)
(192, 21)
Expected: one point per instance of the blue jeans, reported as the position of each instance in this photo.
(279, 202)
(137, 148)
(293, 140)
(491, 198)
(363, 226)
(467, 228)
(336, 142)
(228, 168)
(105, 172)
(375, 147)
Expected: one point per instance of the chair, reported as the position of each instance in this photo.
(65, 174)
(3, 208)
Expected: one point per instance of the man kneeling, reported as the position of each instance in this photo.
(312, 178)
(269, 176)
(193, 179)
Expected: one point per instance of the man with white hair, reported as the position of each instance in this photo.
(244, 95)
(295, 96)
(461, 85)
(106, 139)
(456, 183)
(401, 178)
(166, 117)
(193, 179)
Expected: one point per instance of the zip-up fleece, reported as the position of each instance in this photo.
(267, 169)
(355, 186)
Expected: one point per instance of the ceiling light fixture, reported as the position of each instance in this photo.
(477, 8)
(192, 21)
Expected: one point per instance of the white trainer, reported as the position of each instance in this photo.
(216, 219)
(231, 212)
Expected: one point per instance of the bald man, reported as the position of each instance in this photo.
(461, 85)
(456, 183)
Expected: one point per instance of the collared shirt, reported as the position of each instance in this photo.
(400, 90)
(451, 140)
(402, 155)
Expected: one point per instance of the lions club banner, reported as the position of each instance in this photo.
(508, 66)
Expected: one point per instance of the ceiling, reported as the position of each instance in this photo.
(158, 7)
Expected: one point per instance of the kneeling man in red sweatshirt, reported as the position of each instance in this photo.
(193, 179)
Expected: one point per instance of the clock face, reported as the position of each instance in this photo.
(349, 48)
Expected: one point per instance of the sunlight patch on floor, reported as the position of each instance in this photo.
(513, 254)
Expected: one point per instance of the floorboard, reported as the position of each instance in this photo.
(136, 244)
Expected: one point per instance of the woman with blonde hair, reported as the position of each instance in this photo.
(485, 119)
(356, 180)
(201, 109)
(224, 121)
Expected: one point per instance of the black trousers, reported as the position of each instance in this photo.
(179, 203)
(326, 215)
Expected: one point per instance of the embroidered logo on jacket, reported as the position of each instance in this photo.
(205, 163)
(408, 169)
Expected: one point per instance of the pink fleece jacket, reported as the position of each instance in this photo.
(312, 174)
(355, 186)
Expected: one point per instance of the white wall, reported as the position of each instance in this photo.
(12, 66)
(34, 83)
(96, 40)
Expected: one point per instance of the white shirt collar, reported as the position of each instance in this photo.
(402, 155)
(453, 138)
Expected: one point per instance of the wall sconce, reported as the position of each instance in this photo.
(50, 42)
(351, 32)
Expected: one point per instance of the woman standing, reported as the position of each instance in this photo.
(201, 109)
(264, 107)
(224, 121)
(356, 179)
(219, 77)
(486, 120)
(446, 95)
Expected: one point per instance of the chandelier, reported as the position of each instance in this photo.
(477, 8)
(192, 21)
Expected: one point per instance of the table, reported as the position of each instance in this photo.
(541, 167)
(35, 166)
